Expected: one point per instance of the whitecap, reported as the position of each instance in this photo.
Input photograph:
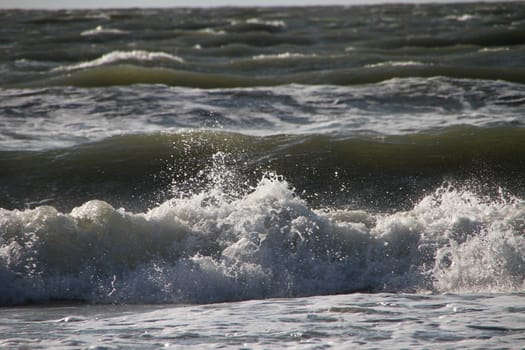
(395, 64)
(212, 31)
(274, 23)
(284, 55)
(117, 56)
(100, 30)
(462, 18)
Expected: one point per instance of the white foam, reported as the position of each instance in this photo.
(274, 23)
(270, 23)
(396, 64)
(486, 246)
(117, 56)
(284, 55)
(463, 18)
(100, 30)
(71, 116)
(212, 31)
(223, 244)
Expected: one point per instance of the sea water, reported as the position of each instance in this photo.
(368, 321)
(307, 177)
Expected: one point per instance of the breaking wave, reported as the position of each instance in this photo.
(98, 73)
(120, 56)
(100, 30)
(233, 242)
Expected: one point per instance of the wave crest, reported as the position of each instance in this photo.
(120, 56)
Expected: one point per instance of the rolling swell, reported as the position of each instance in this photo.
(136, 171)
(484, 38)
(130, 75)
(220, 48)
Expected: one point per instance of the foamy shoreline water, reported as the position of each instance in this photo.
(356, 320)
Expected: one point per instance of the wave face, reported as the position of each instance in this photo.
(380, 172)
(221, 154)
(223, 244)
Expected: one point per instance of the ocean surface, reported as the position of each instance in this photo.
(308, 177)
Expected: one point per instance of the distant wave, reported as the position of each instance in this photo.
(100, 30)
(274, 23)
(119, 56)
(284, 55)
(96, 74)
(232, 47)
(257, 25)
(395, 64)
(212, 31)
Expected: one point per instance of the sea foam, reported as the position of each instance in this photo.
(119, 56)
(216, 245)
(100, 30)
